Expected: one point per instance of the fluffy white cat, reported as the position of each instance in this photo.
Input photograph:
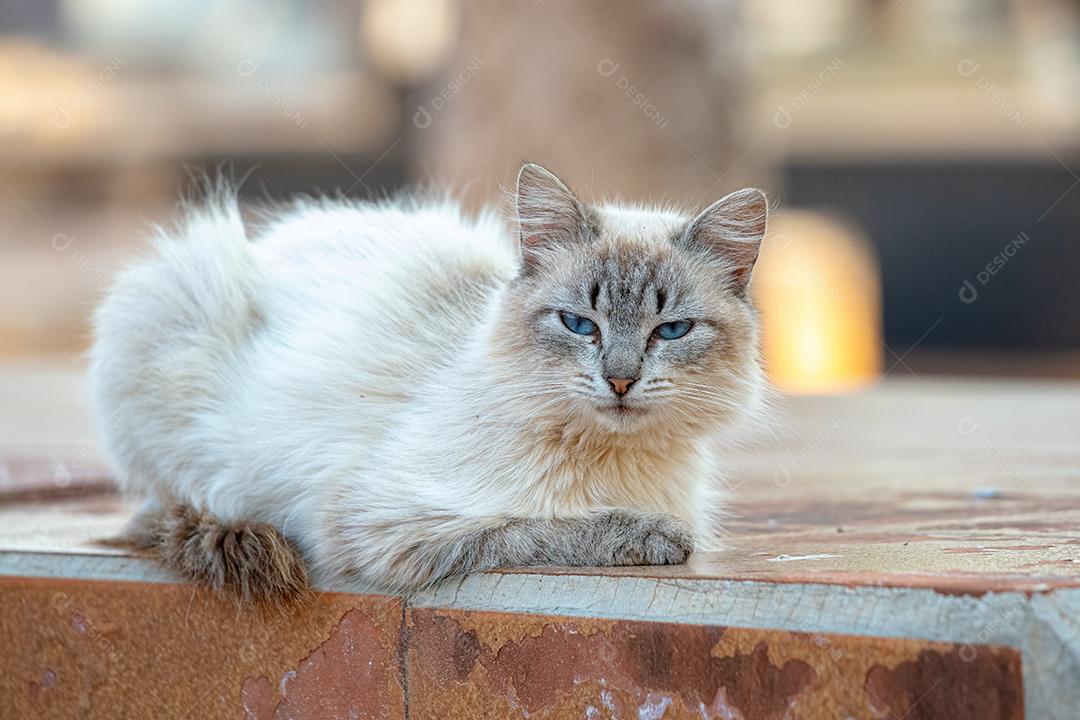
(395, 392)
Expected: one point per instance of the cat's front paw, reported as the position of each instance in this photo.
(639, 538)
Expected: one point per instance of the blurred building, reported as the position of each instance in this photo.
(936, 138)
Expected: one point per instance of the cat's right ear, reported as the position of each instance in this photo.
(732, 228)
(548, 213)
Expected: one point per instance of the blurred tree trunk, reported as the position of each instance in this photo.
(632, 97)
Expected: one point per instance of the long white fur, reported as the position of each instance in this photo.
(334, 376)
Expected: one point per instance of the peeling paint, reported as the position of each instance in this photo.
(154, 645)
(721, 708)
(654, 707)
(257, 698)
(920, 689)
(560, 667)
(348, 656)
(650, 667)
(339, 679)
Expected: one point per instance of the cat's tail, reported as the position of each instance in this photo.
(252, 561)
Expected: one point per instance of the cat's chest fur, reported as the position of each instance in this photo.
(563, 469)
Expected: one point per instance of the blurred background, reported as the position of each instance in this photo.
(922, 156)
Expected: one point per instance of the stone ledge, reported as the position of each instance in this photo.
(100, 622)
(111, 648)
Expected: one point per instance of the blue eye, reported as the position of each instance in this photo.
(674, 330)
(578, 324)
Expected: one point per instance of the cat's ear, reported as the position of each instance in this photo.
(732, 228)
(549, 215)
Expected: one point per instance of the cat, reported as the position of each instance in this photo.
(391, 393)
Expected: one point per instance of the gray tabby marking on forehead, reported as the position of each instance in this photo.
(641, 279)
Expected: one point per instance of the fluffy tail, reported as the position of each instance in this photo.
(252, 561)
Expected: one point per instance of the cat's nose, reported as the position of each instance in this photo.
(621, 386)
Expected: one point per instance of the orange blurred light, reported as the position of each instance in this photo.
(818, 288)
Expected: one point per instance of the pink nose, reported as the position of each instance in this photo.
(621, 385)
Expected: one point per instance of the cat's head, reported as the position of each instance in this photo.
(630, 317)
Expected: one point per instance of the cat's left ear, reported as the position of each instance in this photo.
(732, 228)
(549, 214)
